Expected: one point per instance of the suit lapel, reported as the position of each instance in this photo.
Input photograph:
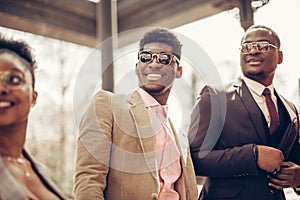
(144, 130)
(252, 109)
(287, 106)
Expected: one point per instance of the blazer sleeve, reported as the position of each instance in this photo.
(93, 149)
(294, 154)
(209, 159)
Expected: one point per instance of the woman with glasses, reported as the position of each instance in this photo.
(245, 139)
(21, 177)
(127, 146)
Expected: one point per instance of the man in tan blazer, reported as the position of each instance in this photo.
(126, 149)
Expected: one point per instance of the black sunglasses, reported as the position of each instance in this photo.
(162, 58)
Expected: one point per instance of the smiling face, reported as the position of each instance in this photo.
(260, 65)
(154, 77)
(16, 90)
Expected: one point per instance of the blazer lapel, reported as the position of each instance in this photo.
(287, 106)
(252, 109)
(144, 130)
(292, 131)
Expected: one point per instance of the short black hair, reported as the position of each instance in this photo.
(22, 49)
(163, 36)
(277, 40)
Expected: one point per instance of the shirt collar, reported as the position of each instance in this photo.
(150, 101)
(257, 87)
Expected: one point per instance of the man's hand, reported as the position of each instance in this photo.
(289, 176)
(269, 158)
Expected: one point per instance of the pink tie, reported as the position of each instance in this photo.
(272, 110)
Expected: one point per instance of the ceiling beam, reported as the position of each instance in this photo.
(68, 20)
(75, 20)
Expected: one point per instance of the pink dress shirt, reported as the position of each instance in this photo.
(166, 150)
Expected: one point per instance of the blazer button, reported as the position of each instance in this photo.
(271, 192)
(154, 196)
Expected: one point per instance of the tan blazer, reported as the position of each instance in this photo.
(115, 153)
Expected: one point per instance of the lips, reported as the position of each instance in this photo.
(255, 61)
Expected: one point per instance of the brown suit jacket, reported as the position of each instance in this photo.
(115, 153)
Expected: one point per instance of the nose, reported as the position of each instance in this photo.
(254, 50)
(155, 58)
(3, 88)
(154, 63)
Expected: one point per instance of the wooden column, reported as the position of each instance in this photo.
(106, 27)
(246, 13)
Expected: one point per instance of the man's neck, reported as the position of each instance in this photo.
(161, 98)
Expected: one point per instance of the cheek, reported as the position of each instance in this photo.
(139, 70)
(172, 71)
(273, 62)
(242, 58)
(27, 93)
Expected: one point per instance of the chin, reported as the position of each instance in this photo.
(255, 74)
(154, 90)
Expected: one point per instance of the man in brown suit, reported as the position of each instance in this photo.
(127, 147)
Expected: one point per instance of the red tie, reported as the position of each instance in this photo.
(272, 110)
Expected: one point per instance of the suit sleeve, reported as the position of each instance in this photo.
(93, 149)
(294, 154)
(209, 158)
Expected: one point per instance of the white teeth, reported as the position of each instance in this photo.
(153, 76)
(4, 104)
(254, 62)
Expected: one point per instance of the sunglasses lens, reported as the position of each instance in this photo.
(263, 46)
(164, 58)
(145, 57)
(246, 47)
(249, 46)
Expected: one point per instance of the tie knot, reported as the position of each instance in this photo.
(266, 92)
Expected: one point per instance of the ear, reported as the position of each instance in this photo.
(280, 57)
(34, 97)
(179, 72)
